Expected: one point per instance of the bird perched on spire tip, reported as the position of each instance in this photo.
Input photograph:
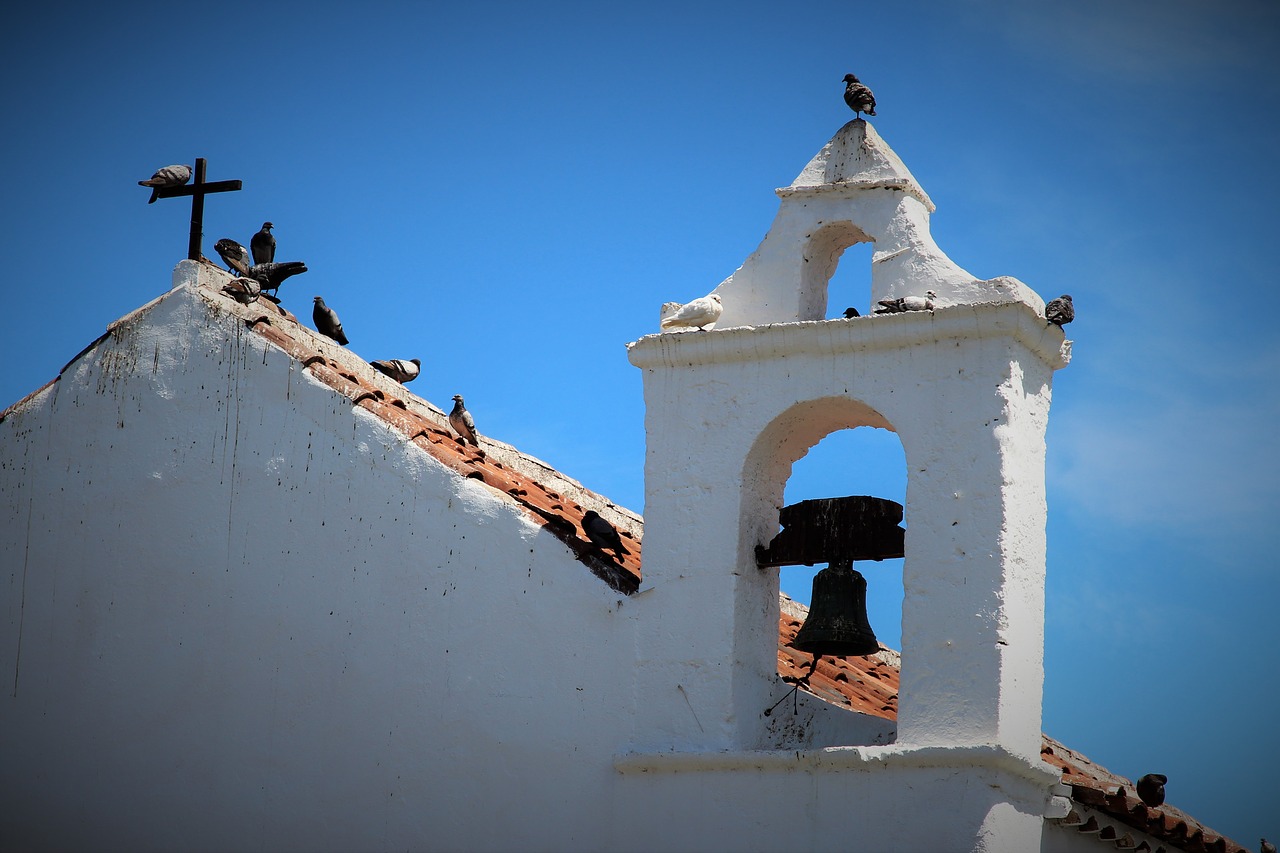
(858, 96)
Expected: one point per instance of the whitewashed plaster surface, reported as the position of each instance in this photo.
(855, 190)
(239, 613)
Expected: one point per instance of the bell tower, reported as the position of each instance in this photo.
(965, 386)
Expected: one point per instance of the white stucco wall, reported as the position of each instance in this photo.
(240, 613)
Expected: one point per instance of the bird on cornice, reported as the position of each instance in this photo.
(243, 290)
(697, 314)
(1060, 311)
(907, 303)
(858, 96)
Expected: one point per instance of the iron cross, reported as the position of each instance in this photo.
(197, 189)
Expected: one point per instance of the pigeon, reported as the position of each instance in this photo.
(263, 245)
(907, 303)
(858, 97)
(699, 313)
(169, 176)
(462, 422)
(235, 256)
(1060, 311)
(399, 370)
(1151, 788)
(850, 313)
(243, 290)
(327, 322)
(602, 533)
(1265, 846)
(272, 275)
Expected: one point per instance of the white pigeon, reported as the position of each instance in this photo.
(697, 314)
(167, 176)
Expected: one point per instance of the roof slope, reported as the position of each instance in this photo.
(868, 685)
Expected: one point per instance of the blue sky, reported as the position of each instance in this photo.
(509, 191)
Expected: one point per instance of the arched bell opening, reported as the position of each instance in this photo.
(861, 461)
(831, 448)
(836, 272)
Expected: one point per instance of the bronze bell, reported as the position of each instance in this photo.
(837, 623)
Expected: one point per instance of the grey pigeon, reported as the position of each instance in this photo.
(462, 422)
(1060, 311)
(858, 97)
(272, 275)
(263, 245)
(850, 313)
(1151, 788)
(1265, 846)
(907, 303)
(243, 290)
(235, 256)
(696, 314)
(168, 176)
(399, 370)
(327, 322)
(602, 533)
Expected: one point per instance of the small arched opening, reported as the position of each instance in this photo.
(837, 272)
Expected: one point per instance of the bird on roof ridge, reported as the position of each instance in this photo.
(858, 97)
(235, 256)
(272, 275)
(462, 422)
(243, 290)
(602, 534)
(398, 369)
(166, 177)
(327, 322)
(1151, 788)
(263, 245)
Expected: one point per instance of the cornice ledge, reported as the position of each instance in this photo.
(859, 334)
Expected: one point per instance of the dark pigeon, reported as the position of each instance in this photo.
(1265, 846)
(462, 422)
(235, 256)
(327, 322)
(168, 176)
(602, 533)
(272, 275)
(1060, 311)
(263, 245)
(850, 313)
(858, 97)
(1151, 788)
(398, 369)
(243, 290)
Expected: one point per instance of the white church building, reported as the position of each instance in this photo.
(256, 595)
